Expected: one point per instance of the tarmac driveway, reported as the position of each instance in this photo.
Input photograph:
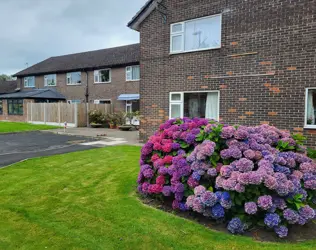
(21, 146)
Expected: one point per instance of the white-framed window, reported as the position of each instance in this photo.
(29, 82)
(310, 108)
(73, 78)
(73, 101)
(202, 104)
(198, 34)
(50, 80)
(102, 76)
(133, 73)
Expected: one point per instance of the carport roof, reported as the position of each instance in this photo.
(35, 94)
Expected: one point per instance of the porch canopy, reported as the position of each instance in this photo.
(128, 97)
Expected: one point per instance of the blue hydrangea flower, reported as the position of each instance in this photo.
(218, 211)
(235, 226)
(272, 220)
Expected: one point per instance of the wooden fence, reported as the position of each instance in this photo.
(58, 113)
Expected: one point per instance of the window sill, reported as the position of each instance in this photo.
(191, 51)
(102, 82)
(310, 127)
(15, 114)
(28, 87)
(133, 80)
(79, 84)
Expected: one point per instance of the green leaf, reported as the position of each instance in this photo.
(211, 189)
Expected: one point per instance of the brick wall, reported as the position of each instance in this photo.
(280, 36)
(14, 118)
(111, 91)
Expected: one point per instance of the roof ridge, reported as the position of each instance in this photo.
(128, 45)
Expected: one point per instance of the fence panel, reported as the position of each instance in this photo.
(57, 113)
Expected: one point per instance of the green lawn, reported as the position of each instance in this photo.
(87, 200)
(12, 127)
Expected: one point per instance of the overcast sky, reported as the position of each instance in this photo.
(33, 30)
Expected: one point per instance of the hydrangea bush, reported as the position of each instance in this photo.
(242, 176)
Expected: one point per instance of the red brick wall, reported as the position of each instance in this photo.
(111, 91)
(280, 37)
(14, 118)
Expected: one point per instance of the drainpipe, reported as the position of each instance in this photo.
(87, 98)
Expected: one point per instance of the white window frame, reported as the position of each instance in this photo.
(182, 33)
(177, 102)
(129, 69)
(45, 80)
(181, 102)
(96, 72)
(68, 76)
(26, 80)
(72, 102)
(308, 126)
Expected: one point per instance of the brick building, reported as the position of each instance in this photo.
(242, 62)
(101, 76)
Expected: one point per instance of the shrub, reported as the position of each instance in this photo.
(242, 175)
(97, 117)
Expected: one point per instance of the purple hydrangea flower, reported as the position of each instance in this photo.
(228, 132)
(265, 202)
(281, 231)
(199, 190)
(307, 212)
(244, 165)
(251, 208)
(208, 199)
(291, 216)
(212, 172)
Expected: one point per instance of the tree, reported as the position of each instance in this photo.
(4, 77)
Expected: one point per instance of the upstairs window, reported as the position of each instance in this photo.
(197, 34)
(133, 73)
(29, 82)
(102, 76)
(50, 80)
(310, 116)
(74, 78)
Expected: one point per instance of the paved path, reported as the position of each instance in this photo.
(129, 137)
(21, 146)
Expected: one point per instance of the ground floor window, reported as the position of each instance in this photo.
(105, 101)
(310, 108)
(1, 107)
(132, 106)
(73, 101)
(194, 104)
(15, 106)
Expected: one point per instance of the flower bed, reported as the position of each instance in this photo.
(243, 176)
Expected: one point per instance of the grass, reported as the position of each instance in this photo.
(87, 200)
(13, 127)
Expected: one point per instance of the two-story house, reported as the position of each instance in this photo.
(101, 76)
(240, 62)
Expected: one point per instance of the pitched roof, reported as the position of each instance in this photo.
(144, 12)
(112, 57)
(8, 86)
(35, 94)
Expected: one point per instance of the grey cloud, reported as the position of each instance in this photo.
(33, 30)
